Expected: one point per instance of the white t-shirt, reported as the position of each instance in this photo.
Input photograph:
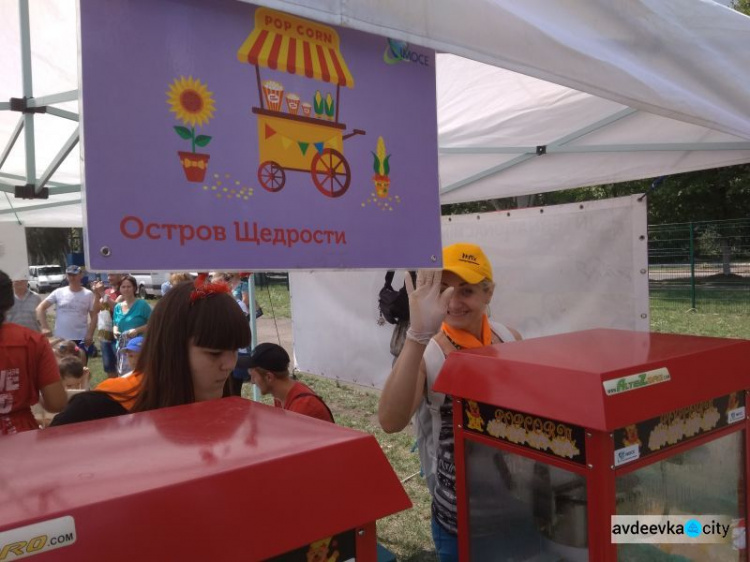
(72, 312)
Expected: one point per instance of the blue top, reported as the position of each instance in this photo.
(242, 287)
(136, 317)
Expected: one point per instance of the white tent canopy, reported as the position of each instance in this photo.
(659, 87)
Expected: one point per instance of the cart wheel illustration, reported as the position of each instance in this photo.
(331, 173)
(271, 176)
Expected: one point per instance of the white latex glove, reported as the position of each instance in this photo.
(427, 306)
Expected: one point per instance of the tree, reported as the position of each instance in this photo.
(48, 245)
(742, 6)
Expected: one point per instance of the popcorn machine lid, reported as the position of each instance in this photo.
(184, 483)
(574, 377)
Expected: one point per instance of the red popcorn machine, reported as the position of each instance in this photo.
(555, 435)
(221, 480)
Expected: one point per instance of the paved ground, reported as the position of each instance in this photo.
(278, 331)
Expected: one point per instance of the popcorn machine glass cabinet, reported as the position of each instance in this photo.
(523, 510)
(705, 480)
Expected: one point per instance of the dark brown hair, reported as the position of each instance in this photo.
(6, 295)
(214, 321)
(133, 282)
(71, 367)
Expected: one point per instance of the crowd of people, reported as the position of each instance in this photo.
(184, 350)
(195, 346)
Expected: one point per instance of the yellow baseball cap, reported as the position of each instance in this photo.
(467, 261)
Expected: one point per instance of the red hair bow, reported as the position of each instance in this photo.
(203, 289)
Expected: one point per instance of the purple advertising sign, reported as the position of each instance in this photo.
(220, 135)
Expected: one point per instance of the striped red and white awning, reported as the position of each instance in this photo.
(295, 45)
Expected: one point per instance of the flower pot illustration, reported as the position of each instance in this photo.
(195, 165)
(382, 183)
(193, 105)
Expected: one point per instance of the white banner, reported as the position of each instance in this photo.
(557, 269)
(13, 257)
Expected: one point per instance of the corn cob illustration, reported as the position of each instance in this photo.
(329, 107)
(381, 166)
(318, 104)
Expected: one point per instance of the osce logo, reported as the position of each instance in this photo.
(398, 51)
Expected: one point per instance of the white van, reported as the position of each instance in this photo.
(149, 283)
(45, 277)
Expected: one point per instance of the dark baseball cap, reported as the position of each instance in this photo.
(268, 356)
(73, 270)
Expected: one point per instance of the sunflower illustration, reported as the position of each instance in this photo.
(191, 101)
(193, 105)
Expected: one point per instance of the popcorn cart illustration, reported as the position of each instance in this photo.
(307, 137)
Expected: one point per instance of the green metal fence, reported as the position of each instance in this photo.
(702, 265)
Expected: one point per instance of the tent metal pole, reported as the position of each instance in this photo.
(488, 172)
(10, 203)
(57, 160)
(655, 147)
(71, 95)
(62, 113)
(73, 188)
(650, 147)
(39, 207)
(486, 149)
(28, 118)
(21, 178)
(559, 142)
(11, 142)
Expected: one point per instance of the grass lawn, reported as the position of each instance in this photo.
(407, 534)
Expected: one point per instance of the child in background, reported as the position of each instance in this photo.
(68, 348)
(75, 378)
(73, 374)
(132, 351)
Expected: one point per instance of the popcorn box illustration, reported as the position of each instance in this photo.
(292, 103)
(274, 94)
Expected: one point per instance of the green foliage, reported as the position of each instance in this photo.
(742, 6)
(49, 245)
(706, 195)
(184, 132)
(202, 140)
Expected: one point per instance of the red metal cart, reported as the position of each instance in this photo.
(555, 435)
(221, 480)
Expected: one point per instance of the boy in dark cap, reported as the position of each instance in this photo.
(268, 365)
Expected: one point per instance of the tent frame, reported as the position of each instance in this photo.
(36, 187)
(28, 105)
(559, 146)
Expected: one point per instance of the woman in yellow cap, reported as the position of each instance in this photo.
(447, 312)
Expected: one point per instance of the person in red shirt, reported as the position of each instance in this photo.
(27, 368)
(268, 365)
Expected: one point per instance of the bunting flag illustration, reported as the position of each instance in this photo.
(333, 142)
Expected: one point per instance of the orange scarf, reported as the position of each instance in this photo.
(122, 389)
(465, 340)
